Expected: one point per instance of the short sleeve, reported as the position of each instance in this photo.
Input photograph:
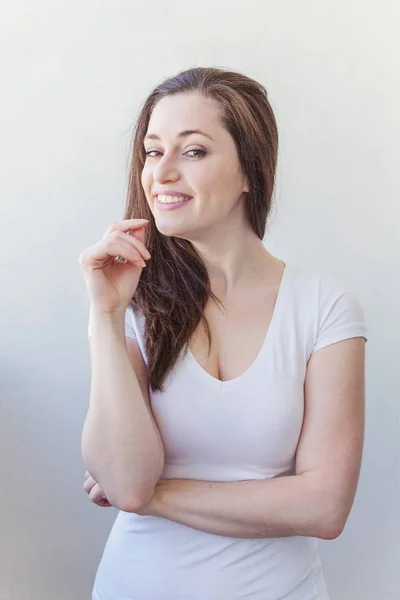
(129, 324)
(340, 313)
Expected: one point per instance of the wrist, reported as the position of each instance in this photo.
(102, 320)
(113, 316)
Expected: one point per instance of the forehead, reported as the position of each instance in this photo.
(184, 111)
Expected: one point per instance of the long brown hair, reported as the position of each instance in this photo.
(174, 288)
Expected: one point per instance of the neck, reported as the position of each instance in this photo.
(235, 262)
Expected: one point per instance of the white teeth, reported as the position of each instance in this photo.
(172, 199)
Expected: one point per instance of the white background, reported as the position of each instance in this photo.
(73, 76)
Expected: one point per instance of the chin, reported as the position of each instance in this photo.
(171, 230)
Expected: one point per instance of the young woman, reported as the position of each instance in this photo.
(226, 413)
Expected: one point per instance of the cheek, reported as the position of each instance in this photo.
(222, 179)
(209, 179)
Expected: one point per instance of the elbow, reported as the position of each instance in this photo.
(331, 533)
(328, 510)
(134, 503)
(331, 524)
(135, 500)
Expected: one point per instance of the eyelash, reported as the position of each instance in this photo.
(203, 153)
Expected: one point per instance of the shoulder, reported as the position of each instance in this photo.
(324, 286)
(329, 305)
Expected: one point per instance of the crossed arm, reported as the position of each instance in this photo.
(317, 500)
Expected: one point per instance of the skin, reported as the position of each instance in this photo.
(316, 501)
(214, 222)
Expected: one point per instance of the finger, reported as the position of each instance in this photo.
(100, 498)
(118, 235)
(127, 224)
(104, 503)
(96, 493)
(89, 484)
(124, 252)
(136, 244)
(107, 249)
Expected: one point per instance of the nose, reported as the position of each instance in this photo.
(166, 169)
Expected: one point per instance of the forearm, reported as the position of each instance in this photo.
(278, 507)
(121, 445)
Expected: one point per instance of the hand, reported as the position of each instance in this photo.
(110, 283)
(96, 494)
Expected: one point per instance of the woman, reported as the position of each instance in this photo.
(226, 412)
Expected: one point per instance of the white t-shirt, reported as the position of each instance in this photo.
(241, 429)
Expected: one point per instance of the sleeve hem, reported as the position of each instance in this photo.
(130, 335)
(333, 339)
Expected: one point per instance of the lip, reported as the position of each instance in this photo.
(173, 206)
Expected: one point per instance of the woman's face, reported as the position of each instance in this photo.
(203, 166)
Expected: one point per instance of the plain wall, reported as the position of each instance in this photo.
(73, 77)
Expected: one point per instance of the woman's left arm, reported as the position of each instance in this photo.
(317, 500)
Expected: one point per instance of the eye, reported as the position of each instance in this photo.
(148, 153)
(202, 153)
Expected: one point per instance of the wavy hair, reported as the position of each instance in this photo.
(174, 288)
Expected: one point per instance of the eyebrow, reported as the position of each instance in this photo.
(153, 136)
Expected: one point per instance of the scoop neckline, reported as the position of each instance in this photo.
(229, 383)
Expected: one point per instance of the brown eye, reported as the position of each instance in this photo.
(202, 152)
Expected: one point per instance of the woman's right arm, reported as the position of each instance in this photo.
(121, 444)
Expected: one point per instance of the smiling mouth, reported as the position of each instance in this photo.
(172, 199)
